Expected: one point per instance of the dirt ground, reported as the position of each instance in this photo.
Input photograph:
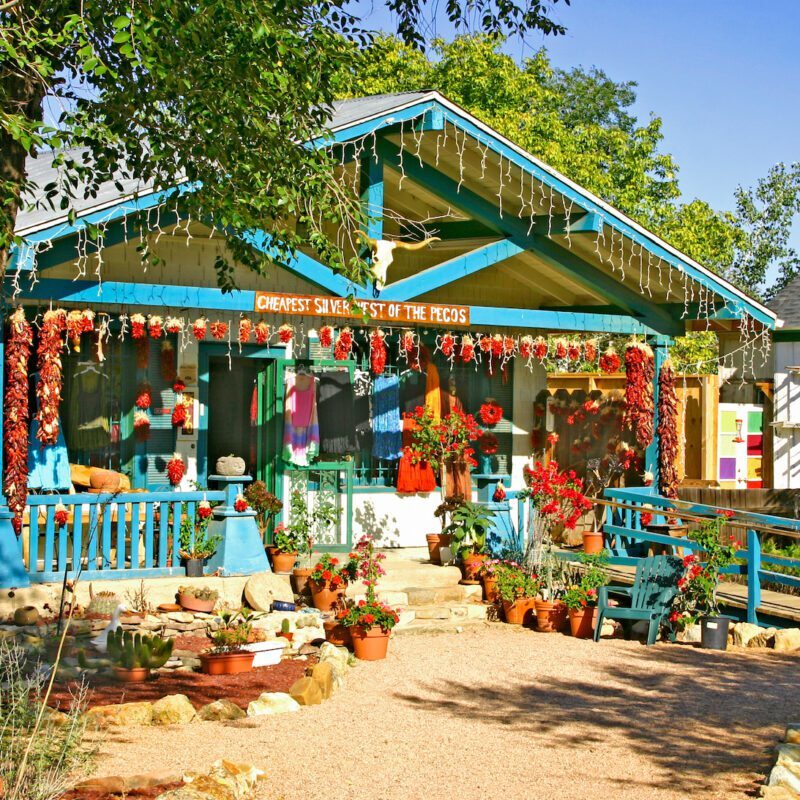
(501, 713)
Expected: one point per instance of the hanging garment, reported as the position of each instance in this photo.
(362, 389)
(335, 409)
(387, 438)
(433, 392)
(48, 466)
(300, 426)
(411, 477)
(89, 427)
(412, 391)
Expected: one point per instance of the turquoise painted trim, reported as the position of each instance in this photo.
(559, 258)
(588, 204)
(484, 316)
(372, 204)
(454, 269)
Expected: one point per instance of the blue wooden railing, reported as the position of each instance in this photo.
(629, 539)
(122, 535)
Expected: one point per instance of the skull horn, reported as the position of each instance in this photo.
(416, 245)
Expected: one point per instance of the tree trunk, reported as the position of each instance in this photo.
(25, 97)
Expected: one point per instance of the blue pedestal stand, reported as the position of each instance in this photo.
(501, 533)
(241, 551)
(13, 574)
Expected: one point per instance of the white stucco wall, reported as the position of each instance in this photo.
(786, 441)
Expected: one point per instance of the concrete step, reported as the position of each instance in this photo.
(446, 612)
(402, 574)
(432, 626)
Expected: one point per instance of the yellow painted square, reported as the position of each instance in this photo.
(727, 422)
(753, 468)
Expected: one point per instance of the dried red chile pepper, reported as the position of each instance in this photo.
(48, 386)
(667, 432)
(639, 404)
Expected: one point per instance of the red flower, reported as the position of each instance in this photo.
(369, 619)
(490, 413)
(326, 575)
(240, 505)
(334, 561)
(336, 580)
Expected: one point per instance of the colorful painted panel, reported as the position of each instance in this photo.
(727, 469)
(755, 484)
(753, 469)
(727, 422)
(727, 447)
(755, 444)
(755, 421)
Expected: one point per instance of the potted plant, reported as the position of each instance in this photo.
(517, 589)
(336, 632)
(303, 525)
(600, 474)
(445, 444)
(133, 656)
(196, 545)
(201, 599)
(580, 598)
(487, 572)
(266, 506)
(436, 541)
(370, 621)
(551, 613)
(469, 530)
(697, 598)
(285, 550)
(328, 580)
(285, 631)
(227, 655)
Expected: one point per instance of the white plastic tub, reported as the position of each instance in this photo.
(267, 653)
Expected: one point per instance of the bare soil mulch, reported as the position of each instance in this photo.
(201, 689)
(132, 794)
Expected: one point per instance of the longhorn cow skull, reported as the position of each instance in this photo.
(383, 255)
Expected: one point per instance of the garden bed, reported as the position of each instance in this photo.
(131, 794)
(201, 689)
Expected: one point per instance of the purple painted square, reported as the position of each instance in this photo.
(727, 469)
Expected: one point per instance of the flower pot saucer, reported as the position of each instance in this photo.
(465, 582)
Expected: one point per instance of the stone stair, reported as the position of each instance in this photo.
(429, 597)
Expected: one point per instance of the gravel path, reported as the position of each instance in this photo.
(500, 713)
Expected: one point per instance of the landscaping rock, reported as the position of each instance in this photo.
(264, 587)
(272, 703)
(788, 640)
(690, 635)
(174, 709)
(225, 781)
(220, 710)
(322, 675)
(777, 793)
(306, 692)
(743, 632)
(780, 776)
(764, 639)
(789, 757)
(121, 784)
(338, 658)
(27, 615)
(120, 715)
(792, 733)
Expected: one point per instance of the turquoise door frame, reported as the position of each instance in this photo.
(207, 351)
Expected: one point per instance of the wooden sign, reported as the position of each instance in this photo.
(379, 310)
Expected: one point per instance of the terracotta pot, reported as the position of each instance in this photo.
(271, 550)
(489, 589)
(192, 603)
(106, 480)
(471, 564)
(300, 577)
(520, 612)
(581, 622)
(337, 634)
(226, 663)
(288, 636)
(283, 562)
(135, 675)
(550, 617)
(324, 596)
(436, 541)
(593, 542)
(370, 644)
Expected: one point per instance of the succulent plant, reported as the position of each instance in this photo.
(103, 603)
(132, 650)
(199, 592)
(285, 626)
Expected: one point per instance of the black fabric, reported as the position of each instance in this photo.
(335, 411)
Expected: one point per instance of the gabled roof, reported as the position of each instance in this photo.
(360, 117)
(786, 304)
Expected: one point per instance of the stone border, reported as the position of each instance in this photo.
(783, 782)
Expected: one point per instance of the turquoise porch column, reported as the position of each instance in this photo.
(241, 551)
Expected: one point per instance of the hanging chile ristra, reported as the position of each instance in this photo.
(48, 386)
(639, 404)
(377, 351)
(667, 432)
(16, 415)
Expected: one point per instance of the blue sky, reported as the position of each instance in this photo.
(722, 74)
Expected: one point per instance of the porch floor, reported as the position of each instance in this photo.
(504, 712)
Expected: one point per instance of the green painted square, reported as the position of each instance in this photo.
(727, 422)
(755, 421)
(727, 447)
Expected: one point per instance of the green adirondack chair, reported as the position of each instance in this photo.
(651, 596)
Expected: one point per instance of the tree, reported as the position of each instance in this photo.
(223, 95)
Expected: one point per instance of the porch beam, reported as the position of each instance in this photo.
(452, 270)
(517, 231)
(195, 297)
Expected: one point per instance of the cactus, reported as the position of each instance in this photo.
(285, 626)
(131, 651)
(103, 603)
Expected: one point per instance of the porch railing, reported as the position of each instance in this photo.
(110, 535)
(629, 538)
